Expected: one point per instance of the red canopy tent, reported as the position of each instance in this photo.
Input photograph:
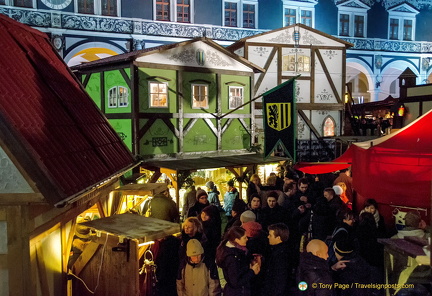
(395, 169)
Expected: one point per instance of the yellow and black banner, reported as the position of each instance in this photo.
(280, 120)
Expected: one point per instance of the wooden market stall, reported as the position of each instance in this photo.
(59, 157)
(117, 259)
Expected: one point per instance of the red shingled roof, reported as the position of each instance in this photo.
(50, 125)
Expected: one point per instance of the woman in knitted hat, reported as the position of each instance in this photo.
(200, 203)
(231, 257)
(212, 223)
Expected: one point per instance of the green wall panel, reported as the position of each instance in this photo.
(123, 127)
(158, 139)
(235, 136)
(199, 138)
(93, 88)
(115, 79)
(160, 75)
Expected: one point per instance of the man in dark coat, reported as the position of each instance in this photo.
(314, 270)
(278, 263)
(162, 207)
(356, 272)
(325, 211)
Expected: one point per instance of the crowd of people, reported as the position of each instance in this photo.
(292, 236)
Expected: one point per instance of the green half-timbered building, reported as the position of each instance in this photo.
(185, 99)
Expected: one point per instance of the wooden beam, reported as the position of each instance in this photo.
(67, 243)
(42, 272)
(328, 76)
(21, 198)
(309, 123)
(85, 257)
(266, 66)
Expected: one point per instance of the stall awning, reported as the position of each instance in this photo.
(211, 162)
(134, 226)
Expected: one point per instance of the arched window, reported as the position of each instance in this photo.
(329, 127)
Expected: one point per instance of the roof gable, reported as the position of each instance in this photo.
(285, 35)
(199, 52)
(48, 122)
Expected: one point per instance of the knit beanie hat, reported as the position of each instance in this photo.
(338, 190)
(194, 248)
(343, 247)
(200, 192)
(252, 228)
(210, 185)
(247, 216)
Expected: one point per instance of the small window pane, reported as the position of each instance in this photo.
(235, 97)
(23, 3)
(86, 6)
(230, 14)
(344, 25)
(359, 26)
(199, 96)
(290, 16)
(162, 10)
(407, 34)
(112, 97)
(306, 17)
(394, 29)
(158, 94)
(249, 16)
(123, 96)
(183, 11)
(109, 7)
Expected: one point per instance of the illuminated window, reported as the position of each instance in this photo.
(118, 96)
(291, 63)
(329, 127)
(158, 94)
(199, 96)
(235, 97)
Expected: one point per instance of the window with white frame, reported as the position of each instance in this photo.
(118, 96)
(235, 97)
(173, 10)
(98, 7)
(402, 22)
(199, 96)
(240, 13)
(158, 94)
(304, 14)
(353, 18)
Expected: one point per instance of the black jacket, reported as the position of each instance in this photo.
(277, 270)
(313, 270)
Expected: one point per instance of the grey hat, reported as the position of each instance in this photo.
(210, 184)
(247, 216)
(194, 248)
